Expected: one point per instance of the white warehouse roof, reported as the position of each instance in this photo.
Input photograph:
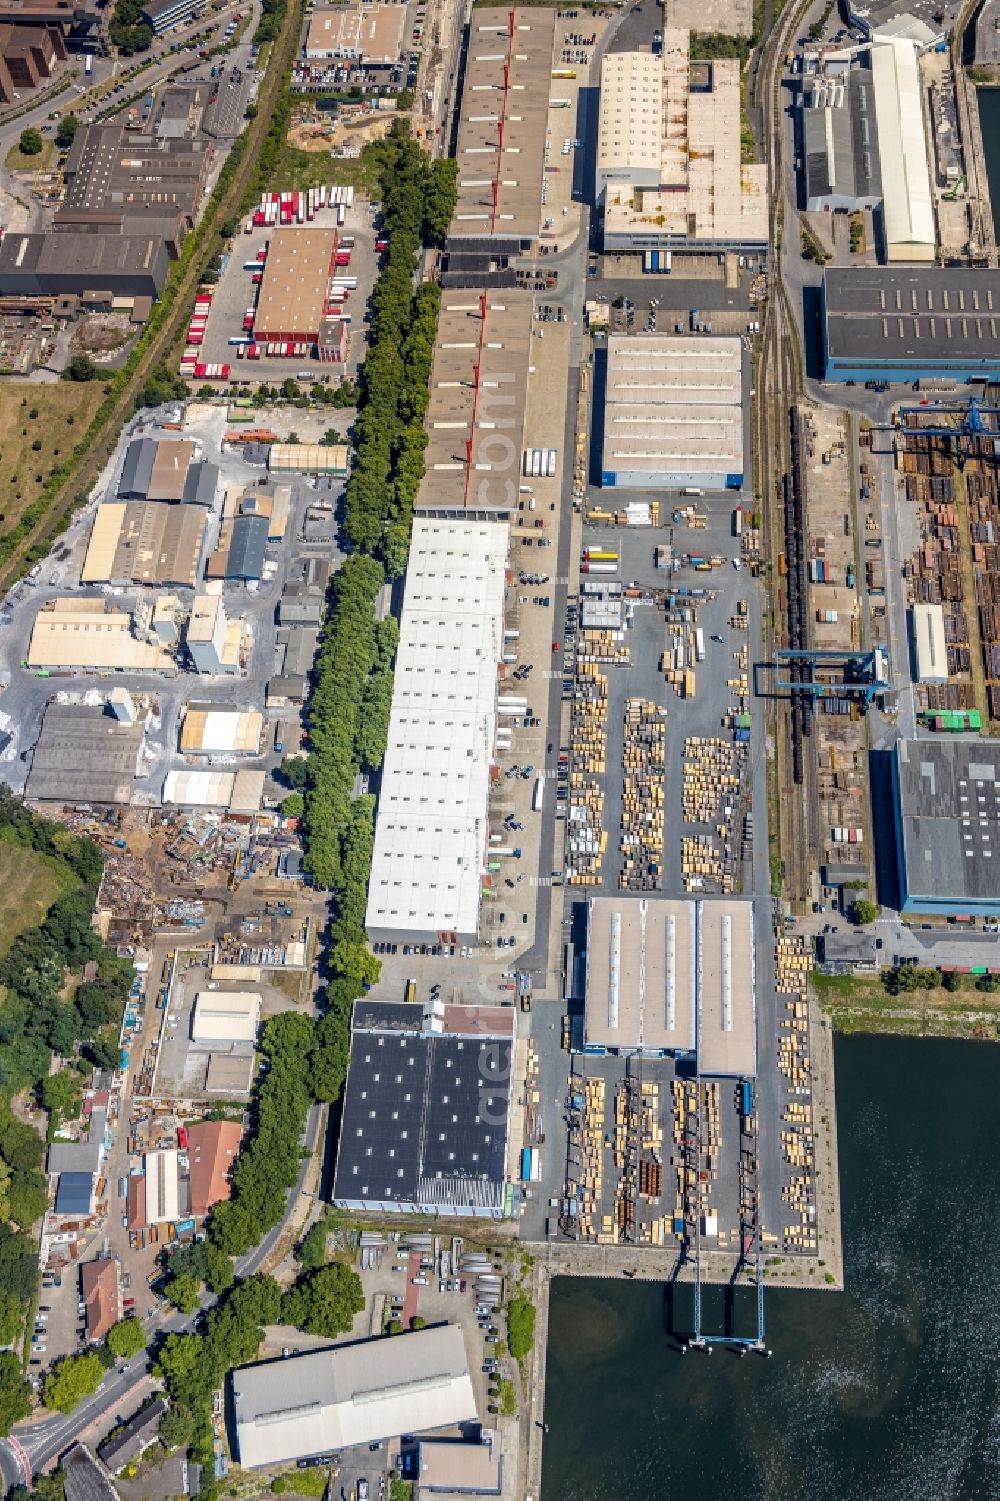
(673, 406)
(907, 203)
(431, 835)
(641, 975)
(339, 1397)
(198, 789)
(929, 643)
(162, 1187)
(225, 1016)
(235, 732)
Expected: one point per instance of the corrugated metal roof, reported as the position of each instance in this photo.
(198, 789)
(248, 546)
(907, 202)
(201, 484)
(337, 1398)
(308, 458)
(235, 732)
(432, 820)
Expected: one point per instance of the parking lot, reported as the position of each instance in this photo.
(235, 294)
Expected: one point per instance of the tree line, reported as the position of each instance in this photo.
(418, 197)
(37, 1018)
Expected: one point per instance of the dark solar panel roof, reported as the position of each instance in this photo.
(425, 1120)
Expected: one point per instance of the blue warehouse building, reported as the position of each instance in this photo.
(907, 323)
(946, 812)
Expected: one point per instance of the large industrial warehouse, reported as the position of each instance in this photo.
(672, 977)
(426, 1112)
(84, 754)
(433, 827)
(840, 157)
(478, 392)
(88, 635)
(642, 959)
(899, 323)
(293, 295)
(930, 649)
(669, 167)
(502, 124)
(946, 806)
(145, 542)
(339, 1397)
(907, 198)
(673, 413)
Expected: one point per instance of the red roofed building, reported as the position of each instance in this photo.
(137, 1203)
(212, 1149)
(102, 1296)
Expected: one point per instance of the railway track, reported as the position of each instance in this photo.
(102, 438)
(779, 385)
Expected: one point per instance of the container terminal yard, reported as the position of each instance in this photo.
(698, 661)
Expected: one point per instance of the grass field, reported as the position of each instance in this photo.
(16, 162)
(860, 1003)
(61, 415)
(298, 170)
(29, 884)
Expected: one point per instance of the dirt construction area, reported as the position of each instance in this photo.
(324, 135)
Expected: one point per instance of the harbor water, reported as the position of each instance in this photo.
(886, 1392)
(989, 124)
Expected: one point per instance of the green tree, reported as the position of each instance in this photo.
(295, 772)
(864, 912)
(20, 1144)
(293, 805)
(72, 1379)
(12, 1312)
(520, 1327)
(331, 437)
(176, 1427)
(68, 127)
(325, 1301)
(126, 1338)
(184, 1292)
(354, 961)
(18, 1263)
(15, 1393)
(81, 368)
(28, 1198)
(30, 142)
(219, 1272)
(311, 1250)
(60, 1091)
